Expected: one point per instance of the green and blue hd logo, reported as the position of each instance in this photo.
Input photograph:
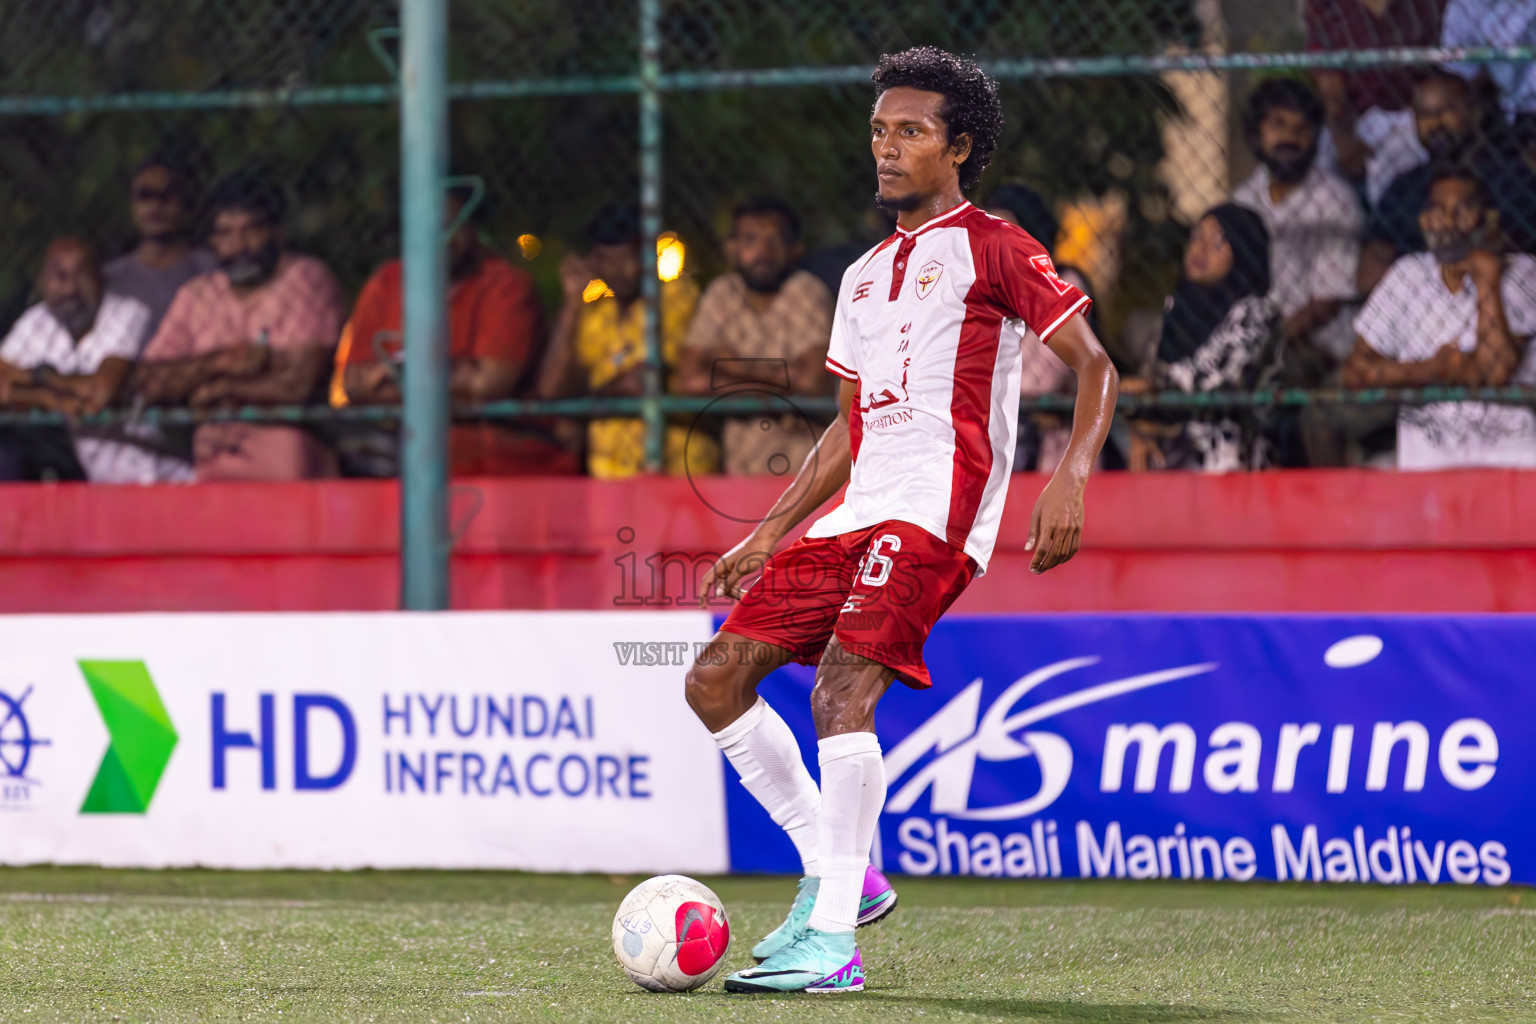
(140, 736)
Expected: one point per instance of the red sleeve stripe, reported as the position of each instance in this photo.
(841, 370)
(1081, 303)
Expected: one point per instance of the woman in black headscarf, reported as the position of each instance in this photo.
(1219, 332)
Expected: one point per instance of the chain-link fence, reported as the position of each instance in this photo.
(1126, 122)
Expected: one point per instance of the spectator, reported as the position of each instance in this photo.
(1500, 23)
(1460, 314)
(828, 263)
(598, 348)
(1314, 222)
(256, 331)
(72, 352)
(1219, 332)
(495, 337)
(164, 258)
(1023, 207)
(1447, 120)
(1043, 436)
(765, 324)
(1370, 137)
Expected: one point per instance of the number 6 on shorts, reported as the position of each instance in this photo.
(876, 566)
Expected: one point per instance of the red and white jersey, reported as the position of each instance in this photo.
(930, 325)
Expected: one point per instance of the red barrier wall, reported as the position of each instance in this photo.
(1296, 541)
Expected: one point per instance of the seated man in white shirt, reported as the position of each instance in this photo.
(1314, 221)
(1460, 314)
(71, 353)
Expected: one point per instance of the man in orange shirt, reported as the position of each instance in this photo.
(495, 337)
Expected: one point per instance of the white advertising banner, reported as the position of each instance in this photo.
(544, 741)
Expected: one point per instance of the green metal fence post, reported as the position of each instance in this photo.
(424, 541)
(650, 227)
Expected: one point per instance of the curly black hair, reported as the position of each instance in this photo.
(615, 224)
(1448, 169)
(971, 106)
(1280, 93)
(183, 181)
(769, 206)
(249, 191)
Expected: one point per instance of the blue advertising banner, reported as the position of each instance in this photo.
(1391, 749)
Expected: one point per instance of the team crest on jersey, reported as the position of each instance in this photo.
(1043, 264)
(928, 276)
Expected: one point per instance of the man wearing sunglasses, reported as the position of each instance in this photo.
(163, 258)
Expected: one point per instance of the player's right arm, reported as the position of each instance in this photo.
(825, 470)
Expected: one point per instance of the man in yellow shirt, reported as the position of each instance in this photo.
(598, 348)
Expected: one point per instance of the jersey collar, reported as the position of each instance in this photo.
(936, 221)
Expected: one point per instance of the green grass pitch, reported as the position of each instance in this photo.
(119, 946)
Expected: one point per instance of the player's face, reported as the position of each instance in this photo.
(914, 158)
(1209, 257)
(762, 251)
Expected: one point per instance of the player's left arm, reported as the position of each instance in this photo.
(1056, 528)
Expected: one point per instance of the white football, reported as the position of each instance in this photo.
(671, 934)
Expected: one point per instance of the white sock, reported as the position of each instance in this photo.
(852, 796)
(762, 749)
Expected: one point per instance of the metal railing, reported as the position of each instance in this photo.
(817, 407)
(379, 93)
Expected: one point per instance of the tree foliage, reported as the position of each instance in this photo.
(549, 161)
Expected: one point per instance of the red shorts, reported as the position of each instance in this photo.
(878, 590)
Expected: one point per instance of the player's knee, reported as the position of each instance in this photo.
(695, 686)
(706, 689)
(836, 701)
(829, 693)
(846, 692)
